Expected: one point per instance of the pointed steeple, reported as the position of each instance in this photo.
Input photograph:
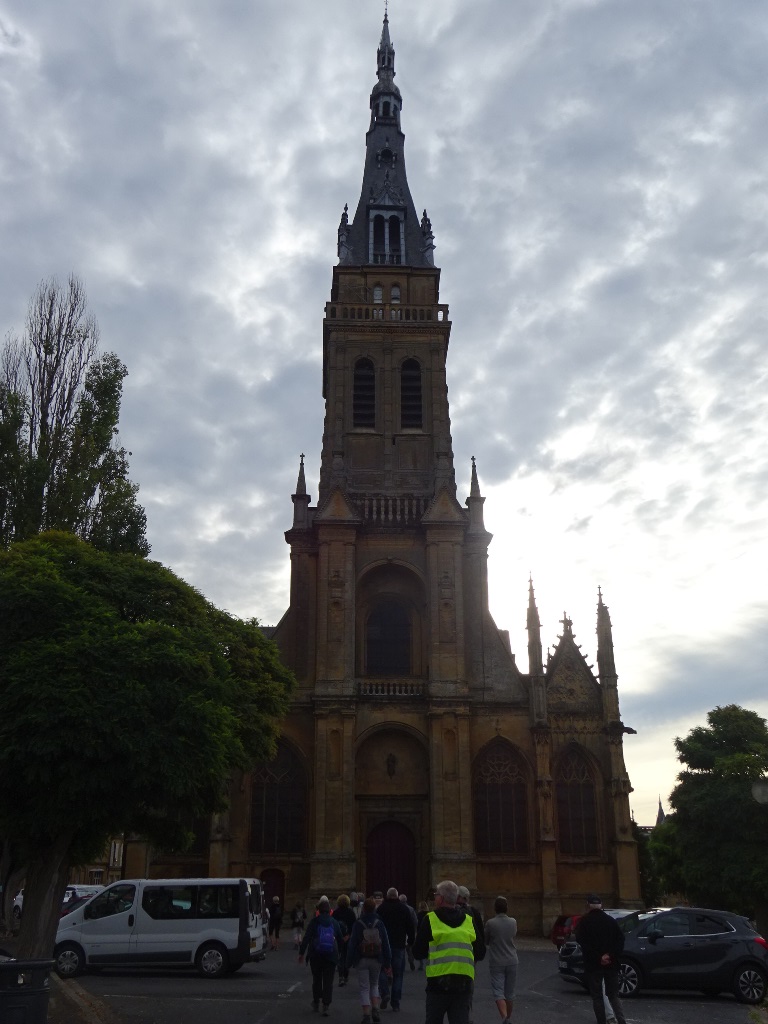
(606, 666)
(660, 816)
(301, 483)
(301, 500)
(385, 229)
(475, 503)
(533, 626)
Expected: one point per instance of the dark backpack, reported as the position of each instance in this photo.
(325, 940)
(371, 942)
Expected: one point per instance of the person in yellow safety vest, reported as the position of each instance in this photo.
(447, 936)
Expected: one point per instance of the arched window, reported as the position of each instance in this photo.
(394, 295)
(388, 640)
(576, 807)
(378, 293)
(410, 395)
(500, 791)
(279, 805)
(364, 394)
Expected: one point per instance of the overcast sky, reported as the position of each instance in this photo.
(595, 173)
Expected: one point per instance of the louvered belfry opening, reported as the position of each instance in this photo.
(364, 394)
(411, 416)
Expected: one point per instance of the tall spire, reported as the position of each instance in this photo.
(385, 229)
(301, 500)
(606, 666)
(475, 503)
(533, 626)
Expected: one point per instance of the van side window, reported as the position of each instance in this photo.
(166, 902)
(116, 900)
(218, 901)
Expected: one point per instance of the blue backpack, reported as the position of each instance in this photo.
(325, 940)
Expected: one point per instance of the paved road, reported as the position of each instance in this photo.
(277, 991)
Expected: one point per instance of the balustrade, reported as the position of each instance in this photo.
(391, 688)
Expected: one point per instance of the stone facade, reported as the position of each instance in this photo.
(416, 748)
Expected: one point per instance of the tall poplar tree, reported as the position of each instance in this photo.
(61, 466)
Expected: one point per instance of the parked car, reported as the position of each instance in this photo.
(72, 892)
(562, 928)
(710, 951)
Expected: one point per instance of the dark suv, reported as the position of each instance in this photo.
(710, 951)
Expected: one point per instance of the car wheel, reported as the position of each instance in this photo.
(629, 979)
(70, 960)
(749, 985)
(212, 960)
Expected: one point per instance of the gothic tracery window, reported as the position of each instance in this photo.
(279, 805)
(576, 807)
(500, 790)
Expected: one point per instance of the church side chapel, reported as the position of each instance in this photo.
(416, 749)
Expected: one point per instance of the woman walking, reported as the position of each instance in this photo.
(324, 939)
(298, 920)
(369, 951)
(500, 932)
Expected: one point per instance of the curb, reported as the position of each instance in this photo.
(89, 1009)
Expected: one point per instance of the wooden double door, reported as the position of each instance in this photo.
(391, 860)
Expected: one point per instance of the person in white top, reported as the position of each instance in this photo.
(500, 932)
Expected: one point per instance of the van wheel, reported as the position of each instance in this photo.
(212, 960)
(70, 960)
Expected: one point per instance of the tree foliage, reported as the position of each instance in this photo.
(712, 848)
(60, 464)
(124, 697)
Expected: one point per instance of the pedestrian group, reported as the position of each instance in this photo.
(376, 936)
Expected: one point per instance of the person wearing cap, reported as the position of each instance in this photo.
(447, 936)
(275, 920)
(602, 942)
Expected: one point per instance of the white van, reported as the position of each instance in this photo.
(211, 923)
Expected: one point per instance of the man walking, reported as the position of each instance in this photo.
(602, 942)
(447, 936)
(400, 929)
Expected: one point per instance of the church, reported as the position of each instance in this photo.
(416, 748)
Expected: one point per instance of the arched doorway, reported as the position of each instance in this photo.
(273, 884)
(390, 858)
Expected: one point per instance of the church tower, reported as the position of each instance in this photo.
(416, 749)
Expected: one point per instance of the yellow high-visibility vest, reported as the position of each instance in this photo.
(450, 950)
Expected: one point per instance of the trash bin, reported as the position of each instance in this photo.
(24, 991)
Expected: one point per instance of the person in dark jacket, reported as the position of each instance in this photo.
(369, 961)
(447, 936)
(400, 928)
(322, 961)
(275, 920)
(343, 913)
(602, 942)
(462, 900)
